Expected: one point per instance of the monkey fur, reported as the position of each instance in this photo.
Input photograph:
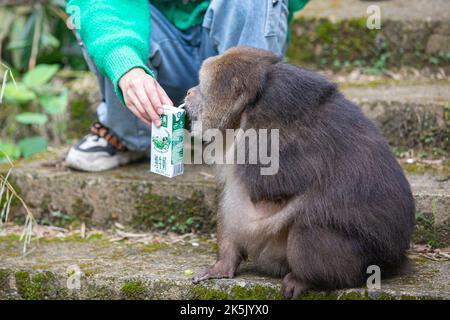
(339, 202)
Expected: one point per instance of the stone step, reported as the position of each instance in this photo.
(410, 116)
(334, 34)
(132, 195)
(122, 270)
(402, 10)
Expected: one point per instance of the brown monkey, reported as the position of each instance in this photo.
(339, 202)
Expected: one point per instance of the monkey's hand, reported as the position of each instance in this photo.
(143, 95)
(218, 271)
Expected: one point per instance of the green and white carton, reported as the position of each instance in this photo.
(168, 142)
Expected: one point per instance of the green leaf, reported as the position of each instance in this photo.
(31, 118)
(15, 35)
(12, 150)
(48, 40)
(33, 145)
(40, 75)
(54, 104)
(18, 94)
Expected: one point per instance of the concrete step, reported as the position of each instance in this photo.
(132, 195)
(123, 270)
(410, 116)
(402, 10)
(334, 34)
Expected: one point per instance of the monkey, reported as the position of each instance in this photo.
(339, 201)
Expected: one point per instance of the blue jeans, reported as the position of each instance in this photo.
(176, 56)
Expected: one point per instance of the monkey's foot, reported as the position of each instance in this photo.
(219, 270)
(292, 287)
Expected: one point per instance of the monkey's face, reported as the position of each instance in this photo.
(228, 83)
(193, 103)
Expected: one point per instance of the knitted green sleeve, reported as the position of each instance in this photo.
(116, 34)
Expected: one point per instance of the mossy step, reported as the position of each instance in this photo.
(410, 116)
(403, 10)
(136, 271)
(132, 195)
(334, 34)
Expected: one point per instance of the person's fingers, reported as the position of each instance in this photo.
(147, 105)
(150, 107)
(163, 96)
(137, 108)
(134, 103)
(153, 95)
(136, 90)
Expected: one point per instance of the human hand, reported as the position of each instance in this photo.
(143, 95)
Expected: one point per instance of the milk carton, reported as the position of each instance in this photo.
(167, 143)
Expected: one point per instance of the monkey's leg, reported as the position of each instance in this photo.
(321, 258)
(226, 265)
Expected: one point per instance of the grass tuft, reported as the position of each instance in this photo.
(7, 193)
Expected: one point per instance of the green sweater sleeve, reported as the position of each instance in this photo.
(116, 34)
(296, 5)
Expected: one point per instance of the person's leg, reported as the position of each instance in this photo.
(174, 56)
(243, 23)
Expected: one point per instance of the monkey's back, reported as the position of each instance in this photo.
(338, 160)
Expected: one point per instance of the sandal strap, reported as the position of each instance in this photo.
(100, 130)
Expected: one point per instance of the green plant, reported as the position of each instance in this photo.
(34, 106)
(380, 65)
(37, 33)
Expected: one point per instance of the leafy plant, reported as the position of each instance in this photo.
(36, 108)
(37, 33)
(380, 65)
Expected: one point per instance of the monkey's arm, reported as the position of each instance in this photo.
(275, 223)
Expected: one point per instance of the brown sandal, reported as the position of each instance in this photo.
(100, 130)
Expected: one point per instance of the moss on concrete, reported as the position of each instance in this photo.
(97, 237)
(82, 210)
(101, 292)
(81, 117)
(318, 295)
(159, 275)
(133, 290)
(155, 246)
(260, 292)
(174, 214)
(48, 216)
(347, 43)
(354, 295)
(37, 286)
(256, 292)
(412, 125)
(10, 238)
(420, 168)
